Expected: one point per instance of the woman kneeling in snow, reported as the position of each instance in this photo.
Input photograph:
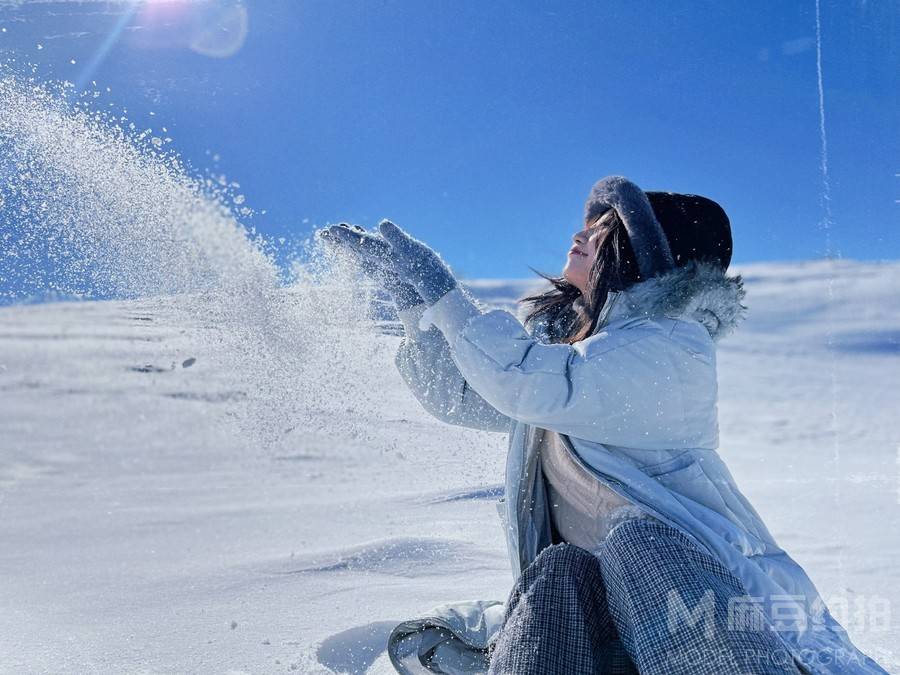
(632, 547)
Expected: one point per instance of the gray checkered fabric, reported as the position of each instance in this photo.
(648, 601)
(557, 620)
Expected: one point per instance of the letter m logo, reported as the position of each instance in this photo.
(678, 614)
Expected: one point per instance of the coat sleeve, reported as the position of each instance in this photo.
(427, 367)
(618, 387)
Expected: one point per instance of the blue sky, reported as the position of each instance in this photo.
(480, 127)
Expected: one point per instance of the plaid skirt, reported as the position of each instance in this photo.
(646, 601)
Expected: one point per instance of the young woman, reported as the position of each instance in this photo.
(632, 547)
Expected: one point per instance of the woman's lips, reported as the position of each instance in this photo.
(575, 251)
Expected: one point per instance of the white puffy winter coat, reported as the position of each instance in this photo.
(636, 403)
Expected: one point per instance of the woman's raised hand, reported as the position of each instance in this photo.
(373, 255)
(364, 246)
(417, 264)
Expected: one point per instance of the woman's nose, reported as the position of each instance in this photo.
(578, 237)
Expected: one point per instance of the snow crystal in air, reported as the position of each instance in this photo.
(90, 207)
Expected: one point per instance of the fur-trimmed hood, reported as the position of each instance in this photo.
(699, 290)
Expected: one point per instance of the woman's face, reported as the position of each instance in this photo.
(581, 257)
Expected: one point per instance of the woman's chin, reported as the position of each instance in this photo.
(572, 278)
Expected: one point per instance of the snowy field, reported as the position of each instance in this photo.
(168, 507)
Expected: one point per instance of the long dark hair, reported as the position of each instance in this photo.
(563, 313)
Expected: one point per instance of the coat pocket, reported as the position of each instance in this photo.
(684, 476)
(680, 461)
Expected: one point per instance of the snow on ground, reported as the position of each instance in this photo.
(146, 528)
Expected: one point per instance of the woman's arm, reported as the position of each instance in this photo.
(624, 387)
(632, 385)
(426, 365)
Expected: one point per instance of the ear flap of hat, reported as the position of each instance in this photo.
(648, 240)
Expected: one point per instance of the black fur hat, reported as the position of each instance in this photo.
(666, 229)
